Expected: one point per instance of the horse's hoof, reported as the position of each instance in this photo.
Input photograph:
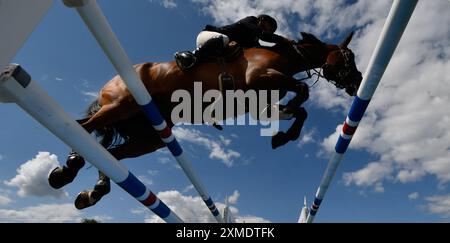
(279, 140)
(75, 161)
(102, 187)
(85, 200)
(60, 177)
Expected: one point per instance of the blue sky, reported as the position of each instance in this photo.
(383, 178)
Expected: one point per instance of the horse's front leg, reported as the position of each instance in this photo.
(275, 80)
(293, 133)
(293, 108)
(61, 176)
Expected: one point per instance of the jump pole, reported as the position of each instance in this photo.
(101, 30)
(399, 15)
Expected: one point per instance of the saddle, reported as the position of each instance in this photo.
(187, 60)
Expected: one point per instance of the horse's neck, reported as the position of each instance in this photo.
(311, 56)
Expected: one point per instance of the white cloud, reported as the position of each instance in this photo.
(439, 205)
(216, 147)
(193, 209)
(146, 180)
(32, 177)
(163, 160)
(234, 198)
(4, 200)
(1, 157)
(167, 3)
(152, 172)
(379, 188)
(307, 137)
(413, 196)
(90, 95)
(139, 211)
(44, 213)
(369, 175)
(188, 188)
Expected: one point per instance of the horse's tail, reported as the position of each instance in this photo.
(108, 135)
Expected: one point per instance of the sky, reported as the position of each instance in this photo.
(396, 170)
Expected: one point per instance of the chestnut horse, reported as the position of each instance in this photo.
(125, 132)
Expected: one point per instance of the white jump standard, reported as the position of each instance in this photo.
(393, 29)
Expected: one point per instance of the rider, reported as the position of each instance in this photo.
(246, 32)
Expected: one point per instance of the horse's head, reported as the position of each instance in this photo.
(337, 61)
(340, 67)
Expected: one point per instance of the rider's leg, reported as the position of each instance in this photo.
(210, 44)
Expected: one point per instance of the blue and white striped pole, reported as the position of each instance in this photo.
(393, 29)
(101, 30)
(18, 87)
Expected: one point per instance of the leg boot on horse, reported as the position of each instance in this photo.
(139, 142)
(91, 197)
(293, 133)
(62, 176)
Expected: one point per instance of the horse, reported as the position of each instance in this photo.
(123, 129)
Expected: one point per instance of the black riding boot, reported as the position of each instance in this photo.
(212, 48)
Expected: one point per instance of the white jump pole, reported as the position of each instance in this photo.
(18, 87)
(101, 30)
(391, 34)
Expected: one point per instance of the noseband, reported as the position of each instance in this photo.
(344, 72)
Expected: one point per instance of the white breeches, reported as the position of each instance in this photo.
(204, 36)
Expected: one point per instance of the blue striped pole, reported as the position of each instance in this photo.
(18, 87)
(101, 30)
(393, 29)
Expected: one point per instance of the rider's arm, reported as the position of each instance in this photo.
(211, 28)
(252, 24)
(272, 38)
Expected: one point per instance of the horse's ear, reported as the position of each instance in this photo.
(310, 38)
(347, 40)
(304, 35)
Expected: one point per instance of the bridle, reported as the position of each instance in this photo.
(340, 75)
(318, 73)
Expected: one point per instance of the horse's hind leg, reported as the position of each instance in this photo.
(89, 198)
(61, 176)
(107, 114)
(135, 147)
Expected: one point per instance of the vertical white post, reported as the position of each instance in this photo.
(391, 34)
